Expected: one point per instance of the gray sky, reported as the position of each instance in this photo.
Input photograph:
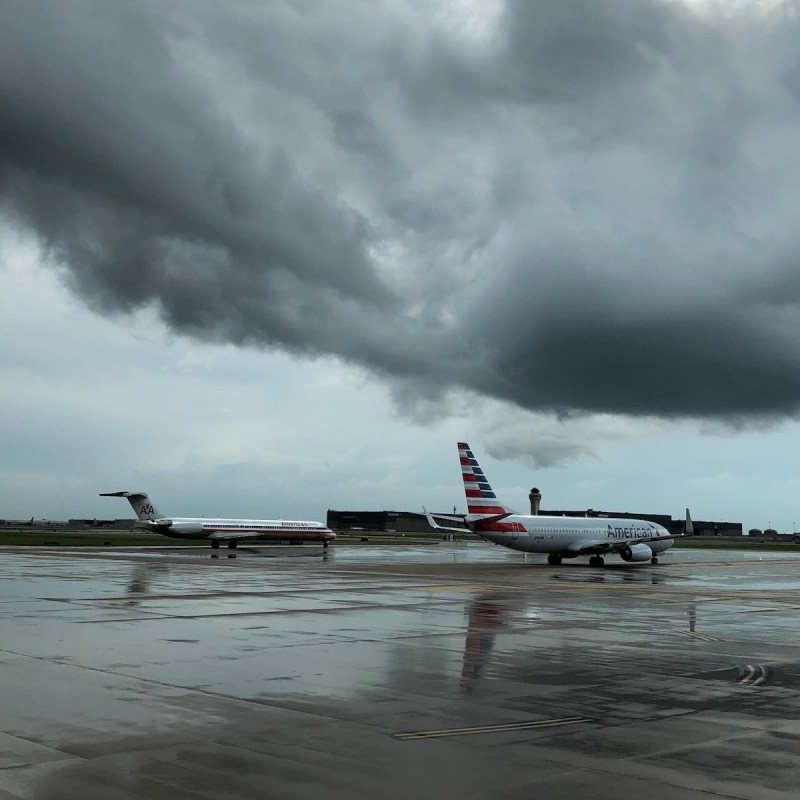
(273, 258)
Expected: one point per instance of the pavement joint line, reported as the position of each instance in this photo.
(495, 728)
(701, 636)
(199, 689)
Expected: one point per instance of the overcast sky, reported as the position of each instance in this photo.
(267, 259)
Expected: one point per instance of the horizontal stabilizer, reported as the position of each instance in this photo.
(436, 526)
(450, 517)
(140, 503)
(470, 520)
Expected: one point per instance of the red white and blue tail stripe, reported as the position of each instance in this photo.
(480, 497)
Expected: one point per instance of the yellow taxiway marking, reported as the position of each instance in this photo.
(750, 670)
(750, 673)
(764, 672)
(498, 728)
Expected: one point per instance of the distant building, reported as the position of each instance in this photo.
(702, 528)
(390, 521)
(114, 524)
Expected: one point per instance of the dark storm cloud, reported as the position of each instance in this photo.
(572, 206)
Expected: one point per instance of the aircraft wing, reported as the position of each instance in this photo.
(253, 536)
(616, 545)
(226, 536)
(436, 526)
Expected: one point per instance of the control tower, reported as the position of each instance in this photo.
(535, 497)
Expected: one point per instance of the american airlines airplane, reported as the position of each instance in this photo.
(231, 531)
(634, 540)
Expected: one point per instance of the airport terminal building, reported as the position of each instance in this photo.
(388, 521)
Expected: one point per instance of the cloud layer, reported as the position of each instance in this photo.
(571, 207)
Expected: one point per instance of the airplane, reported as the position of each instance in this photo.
(634, 540)
(230, 531)
(487, 615)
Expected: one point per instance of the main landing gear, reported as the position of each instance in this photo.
(554, 559)
(654, 560)
(596, 561)
(232, 544)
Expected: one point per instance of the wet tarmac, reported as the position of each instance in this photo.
(438, 671)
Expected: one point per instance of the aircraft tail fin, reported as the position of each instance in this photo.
(688, 527)
(481, 499)
(140, 502)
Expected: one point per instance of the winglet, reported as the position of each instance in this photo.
(688, 527)
(431, 521)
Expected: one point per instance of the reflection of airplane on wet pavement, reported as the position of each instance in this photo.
(230, 531)
(634, 540)
(485, 618)
(143, 574)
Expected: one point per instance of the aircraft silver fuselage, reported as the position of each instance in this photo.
(569, 535)
(205, 528)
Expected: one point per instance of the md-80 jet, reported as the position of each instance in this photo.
(634, 540)
(229, 531)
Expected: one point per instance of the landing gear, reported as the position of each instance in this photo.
(233, 544)
(654, 560)
(554, 559)
(324, 544)
(215, 544)
(596, 561)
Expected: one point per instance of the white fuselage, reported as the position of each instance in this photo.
(204, 528)
(567, 535)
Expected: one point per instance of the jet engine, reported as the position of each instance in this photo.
(179, 529)
(637, 552)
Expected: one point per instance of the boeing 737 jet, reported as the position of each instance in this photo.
(231, 531)
(634, 540)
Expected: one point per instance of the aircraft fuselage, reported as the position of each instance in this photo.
(567, 535)
(204, 528)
